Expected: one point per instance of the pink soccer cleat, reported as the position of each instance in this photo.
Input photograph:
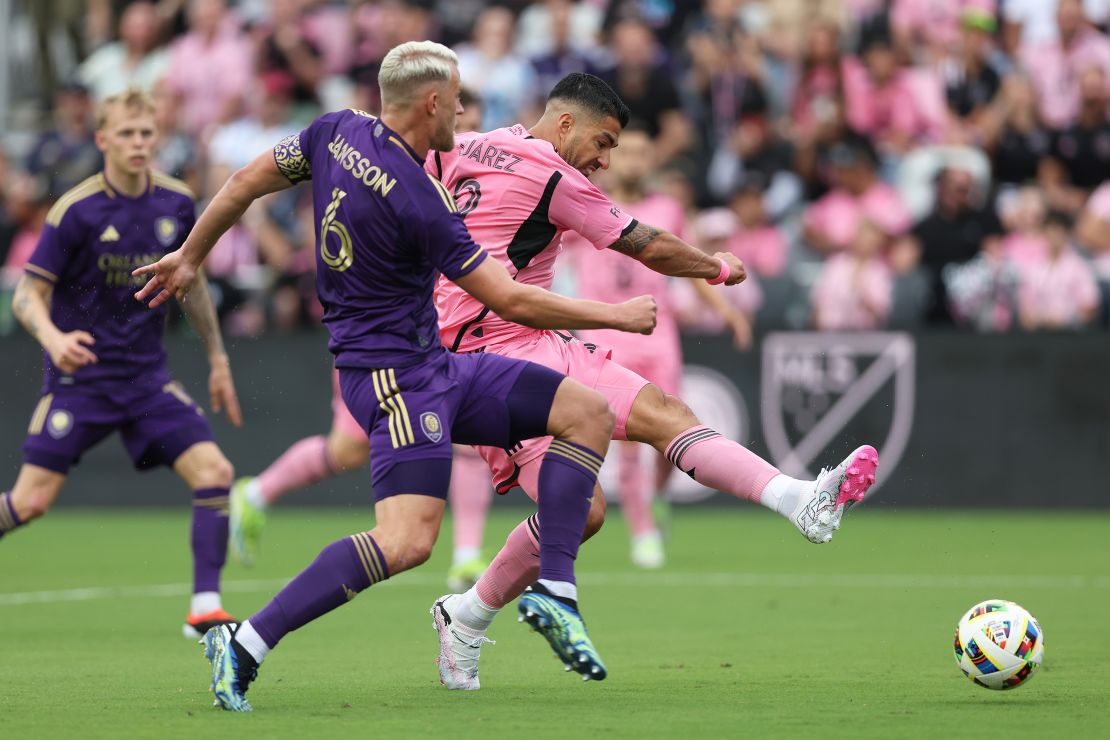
(834, 492)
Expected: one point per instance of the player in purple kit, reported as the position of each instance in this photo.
(105, 366)
(387, 230)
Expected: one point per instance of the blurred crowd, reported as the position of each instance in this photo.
(876, 163)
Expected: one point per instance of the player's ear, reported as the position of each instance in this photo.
(101, 140)
(566, 122)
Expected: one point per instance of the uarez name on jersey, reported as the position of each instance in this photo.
(517, 212)
(94, 236)
(386, 228)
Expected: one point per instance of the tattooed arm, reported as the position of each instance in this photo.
(665, 253)
(31, 305)
(201, 312)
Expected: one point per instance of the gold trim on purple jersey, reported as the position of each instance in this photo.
(575, 454)
(39, 272)
(391, 402)
(162, 180)
(38, 419)
(369, 557)
(290, 160)
(85, 189)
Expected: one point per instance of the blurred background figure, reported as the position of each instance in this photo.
(138, 59)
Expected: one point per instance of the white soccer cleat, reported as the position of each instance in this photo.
(459, 647)
(647, 551)
(834, 492)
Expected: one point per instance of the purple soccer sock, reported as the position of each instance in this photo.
(9, 519)
(209, 537)
(567, 478)
(339, 572)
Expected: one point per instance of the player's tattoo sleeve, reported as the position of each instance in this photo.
(31, 305)
(201, 312)
(635, 240)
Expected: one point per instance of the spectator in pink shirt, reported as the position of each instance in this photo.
(832, 222)
(1023, 215)
(855, 289)
(211, 67)
(895, 106)
(759, 243)
(1056, 66)
(1059, 292)
(931, 23)
(1080, 154)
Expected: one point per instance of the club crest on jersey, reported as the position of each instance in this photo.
(59, 424)
(166, 230)
(819, 388)
(431, 426)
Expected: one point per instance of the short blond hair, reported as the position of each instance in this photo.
(409, 66)
(133, 99)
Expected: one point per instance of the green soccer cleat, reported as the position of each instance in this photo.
(561, 624)
(463, 576)
(232, 669)
(246, 525)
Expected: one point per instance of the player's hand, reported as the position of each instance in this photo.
(637, 315)
(171, 276)
(737, 273)
(70, 351)
(221, 388)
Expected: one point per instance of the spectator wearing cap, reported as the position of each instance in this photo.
(1057, 66)
(136, 60)
(646, 86)
(66, 153)
(211, 67)
(855, 288)
(957, 230)
(758, 242)
(897, 107)
(857, 192)
(970, 79)
(1080, 156)
(1060, 290)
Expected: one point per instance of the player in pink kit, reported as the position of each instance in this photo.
(658, 358)
(346, 447)
(519, 189)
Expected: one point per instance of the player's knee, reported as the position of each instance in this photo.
(595, 518)
(594, 413)
(33, 502)
(349, 455)
(676, 410)
(215, 471)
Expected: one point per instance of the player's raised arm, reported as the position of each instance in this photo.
(531, 306)
(174, 274)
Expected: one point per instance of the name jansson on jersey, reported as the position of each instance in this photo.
(351, 159)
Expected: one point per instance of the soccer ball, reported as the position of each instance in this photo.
(999, 645)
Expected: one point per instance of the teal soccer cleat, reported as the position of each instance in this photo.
(232, 670)
(560, 623)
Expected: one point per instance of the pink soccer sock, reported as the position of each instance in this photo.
(634, 490)
(720, 463)
(470, 494)
(516, 566)
(305, 462)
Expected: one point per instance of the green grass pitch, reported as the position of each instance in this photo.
(749, 631)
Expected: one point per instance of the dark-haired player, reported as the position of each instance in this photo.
(105, 365)
(520, 188)
(386, 230)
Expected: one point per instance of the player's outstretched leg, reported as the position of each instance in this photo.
(406, 530)
(471, 491)
(205, 470)
(308, 461)
(30, 498)
(815, 507)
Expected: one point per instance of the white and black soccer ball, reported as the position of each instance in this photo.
(999, 645)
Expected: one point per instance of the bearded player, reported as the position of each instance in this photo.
(519, 189)
(105, 365)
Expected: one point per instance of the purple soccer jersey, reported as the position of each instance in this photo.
(93, 238)
(387, 228)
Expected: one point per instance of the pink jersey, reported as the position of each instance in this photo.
(518, 197)
(613, 277)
